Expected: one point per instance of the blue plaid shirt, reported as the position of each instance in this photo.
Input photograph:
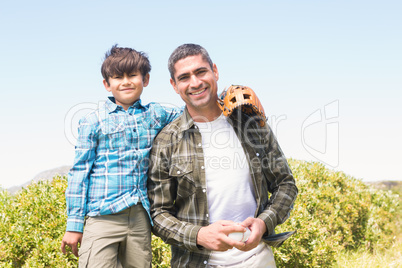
(109, 173)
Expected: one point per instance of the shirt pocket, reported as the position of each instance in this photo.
(114, 135)
(182, 171)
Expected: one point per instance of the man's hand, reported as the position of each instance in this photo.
(257, 228)
(71, 239)
(215, 236)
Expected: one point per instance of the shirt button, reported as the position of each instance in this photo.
(207, 215)
(178, 172)
(203, 190)
(205, 262)
(257, 154)
(199, 144)
(202, 167)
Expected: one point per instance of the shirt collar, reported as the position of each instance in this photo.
(111, 105)
(187, 121)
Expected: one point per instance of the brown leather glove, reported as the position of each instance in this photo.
(242, 97)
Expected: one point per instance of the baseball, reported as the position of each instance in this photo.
(240, 236)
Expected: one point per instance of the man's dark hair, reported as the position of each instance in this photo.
(185, 51)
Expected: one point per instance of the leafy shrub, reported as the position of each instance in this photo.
(333, 212)
(161, 253)
(32, 225)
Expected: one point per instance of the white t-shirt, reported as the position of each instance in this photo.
(230, 190)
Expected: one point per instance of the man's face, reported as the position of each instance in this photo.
(127, 88)
(196, 83)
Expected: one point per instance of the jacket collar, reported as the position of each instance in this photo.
(186, 121)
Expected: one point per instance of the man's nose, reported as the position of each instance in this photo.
(195, 82)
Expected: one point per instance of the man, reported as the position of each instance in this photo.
(211, 176)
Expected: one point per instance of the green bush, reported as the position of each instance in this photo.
(32, 226)
(333, 212)
(161, 254)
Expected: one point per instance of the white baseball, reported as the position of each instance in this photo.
(240, 236)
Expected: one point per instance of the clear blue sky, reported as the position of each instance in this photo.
(328, 73)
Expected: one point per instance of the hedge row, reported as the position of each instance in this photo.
(333, 212)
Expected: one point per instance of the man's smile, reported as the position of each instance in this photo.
(198, 92)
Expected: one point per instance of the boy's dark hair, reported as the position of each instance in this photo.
(185, 51)
(120, 60)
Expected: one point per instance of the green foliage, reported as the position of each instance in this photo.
(361, 258)
(32, 226)
(161, 254)
(332, 213)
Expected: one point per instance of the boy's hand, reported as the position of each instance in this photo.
(215, 236)
(71, 239)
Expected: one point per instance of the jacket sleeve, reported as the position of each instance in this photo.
(162, 191)
(78, 177)
(280, 183)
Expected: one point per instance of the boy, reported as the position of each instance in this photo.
(107, 183)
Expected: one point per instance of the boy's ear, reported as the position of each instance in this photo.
(106, 85)
(146, 80)
(174, 85)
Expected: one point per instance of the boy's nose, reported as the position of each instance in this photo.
(126, 80)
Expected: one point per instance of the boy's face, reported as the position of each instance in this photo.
(196, 83)
(126, 89)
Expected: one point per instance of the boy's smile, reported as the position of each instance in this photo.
(126, 88)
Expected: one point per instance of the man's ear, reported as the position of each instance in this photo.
(215, 70)
(146, 80)
(174, 85)
(106, 85)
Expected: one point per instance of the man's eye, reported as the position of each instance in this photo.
(133, 74)
(182, 78)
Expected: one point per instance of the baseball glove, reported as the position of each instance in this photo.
(242, 97)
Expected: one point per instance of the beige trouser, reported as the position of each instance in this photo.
(262, 259)
(118, 240)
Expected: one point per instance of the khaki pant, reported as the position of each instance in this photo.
(118, 240)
